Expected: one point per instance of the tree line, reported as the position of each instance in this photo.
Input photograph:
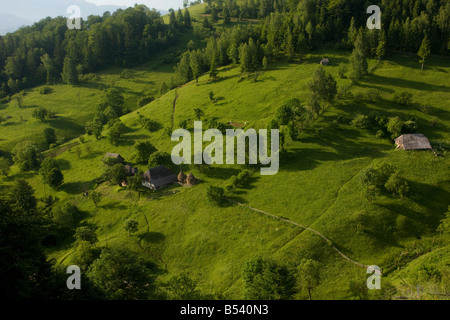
(290, 29)
(314, 23)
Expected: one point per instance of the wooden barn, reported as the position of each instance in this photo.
(158, 178)
(413, 142)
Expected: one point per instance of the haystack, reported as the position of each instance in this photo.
(182, 177)
(190, 179)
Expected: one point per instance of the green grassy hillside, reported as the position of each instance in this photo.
(317, 186)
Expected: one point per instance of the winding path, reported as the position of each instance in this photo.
(328, 241)
(174, 108)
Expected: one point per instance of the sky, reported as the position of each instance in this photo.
(157, 4)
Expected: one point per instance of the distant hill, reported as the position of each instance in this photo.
(26, 12)
(10, 23)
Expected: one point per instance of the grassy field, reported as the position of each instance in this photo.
(317, 186)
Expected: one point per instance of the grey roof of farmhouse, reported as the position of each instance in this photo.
(413, 142)
(160, 176)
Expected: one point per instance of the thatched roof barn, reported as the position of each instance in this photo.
(116, 156)
(190, 180)
(182, 177)
(130, 170)
(325, 62)
(158, 178)
(413, 142)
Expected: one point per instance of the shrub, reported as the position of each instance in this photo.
(64, 216)
(361, 121)
(377, 175)
(434, 122)
(343, 68)
(215, 195)
(152, 126)
(125, 74)
(425, 108)
(41, 113)
(160, 158)
(244, 177)
(51, 174)
(397, 185)
(341, 118)
(371, 193)
(145, 100)
(403, 98)
(233, 183)
(183, 124)
(320, 131)
(45, 90)
(383, 177)
(380, 134)
(394, 126)
(410, 126)
(373, 94)
(143, 150)
(4, 100)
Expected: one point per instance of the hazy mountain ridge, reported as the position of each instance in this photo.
(10, 22)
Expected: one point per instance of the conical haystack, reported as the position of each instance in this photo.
(190, 179)
(182, 177)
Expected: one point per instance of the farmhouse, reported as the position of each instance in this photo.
(325, 62)
(413, 142)
(158, 178)
(116, 156)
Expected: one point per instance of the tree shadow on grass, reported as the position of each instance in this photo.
(220, 173)
(76, 187)
(433, 198)
(93, 85)
(63, 164)
(115, 205)
(66, 125)
(298, 159)
(407, 84)
(153, 237)
(24, 175)
(92, 155)
(82, 215)
(146, 82)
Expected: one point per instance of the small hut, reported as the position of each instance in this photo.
(190, 180)
(115, 156)
(182, 177)
(413, 142)
(325, 62)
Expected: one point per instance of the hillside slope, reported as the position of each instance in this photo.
(317, 185)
